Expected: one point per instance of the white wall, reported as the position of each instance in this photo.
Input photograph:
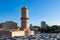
(18, 33)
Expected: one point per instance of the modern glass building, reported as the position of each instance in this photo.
(43, 24)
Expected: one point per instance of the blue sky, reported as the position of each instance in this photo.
(39, 10)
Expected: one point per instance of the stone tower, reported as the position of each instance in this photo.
(25, 22)
(24, 18)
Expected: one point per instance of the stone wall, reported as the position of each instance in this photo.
(18, 33)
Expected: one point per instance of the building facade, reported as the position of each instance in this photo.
(4, 34)
(43, 24)
(1, 26)
(9, 25)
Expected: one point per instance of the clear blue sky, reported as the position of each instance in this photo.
(39, 10)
